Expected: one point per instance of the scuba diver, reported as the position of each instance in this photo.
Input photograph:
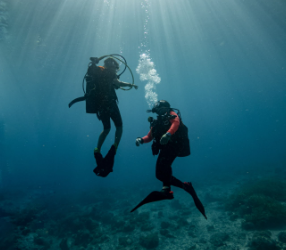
(170, 140)
(101, 99)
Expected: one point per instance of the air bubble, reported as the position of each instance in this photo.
(147, 72)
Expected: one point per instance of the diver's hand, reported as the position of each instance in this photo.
(139, 141)
(165, 138)
(135, 86)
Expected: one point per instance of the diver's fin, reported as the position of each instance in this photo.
(189, 188)
(154, 196)
(105, 165)
(98, 157)
(109, 159)
(99, 161)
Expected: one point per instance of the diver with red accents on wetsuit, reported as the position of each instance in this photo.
(170, 140)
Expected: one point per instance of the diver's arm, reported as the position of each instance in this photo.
(147, 138)
(118, 84)
(175, 123)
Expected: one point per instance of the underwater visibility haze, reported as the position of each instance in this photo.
(221, 63)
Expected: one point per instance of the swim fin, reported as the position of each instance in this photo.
(189, 188)
(155, 196)
(105, 165)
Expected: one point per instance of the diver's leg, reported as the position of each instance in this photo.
(102, 138)
(118, 135)
(177, 183)
(105, 118)
(163, 167)
(116, 118)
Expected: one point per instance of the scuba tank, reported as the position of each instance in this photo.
(92, 95)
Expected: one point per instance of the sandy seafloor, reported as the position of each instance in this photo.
(40, 218)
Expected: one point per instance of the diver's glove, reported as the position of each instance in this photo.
(139, 141)
(134, 86)
(165, 138)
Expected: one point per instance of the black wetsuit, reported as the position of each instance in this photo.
(177, 146)
(112, 111)
(104, 97)
(164, 167)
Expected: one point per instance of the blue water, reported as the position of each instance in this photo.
(222, 63)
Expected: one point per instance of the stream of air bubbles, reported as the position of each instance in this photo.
(146, 68)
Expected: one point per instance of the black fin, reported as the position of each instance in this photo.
(189, 188)
(99, 161)
(105, 165)
(154, 196)
(98, 157)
